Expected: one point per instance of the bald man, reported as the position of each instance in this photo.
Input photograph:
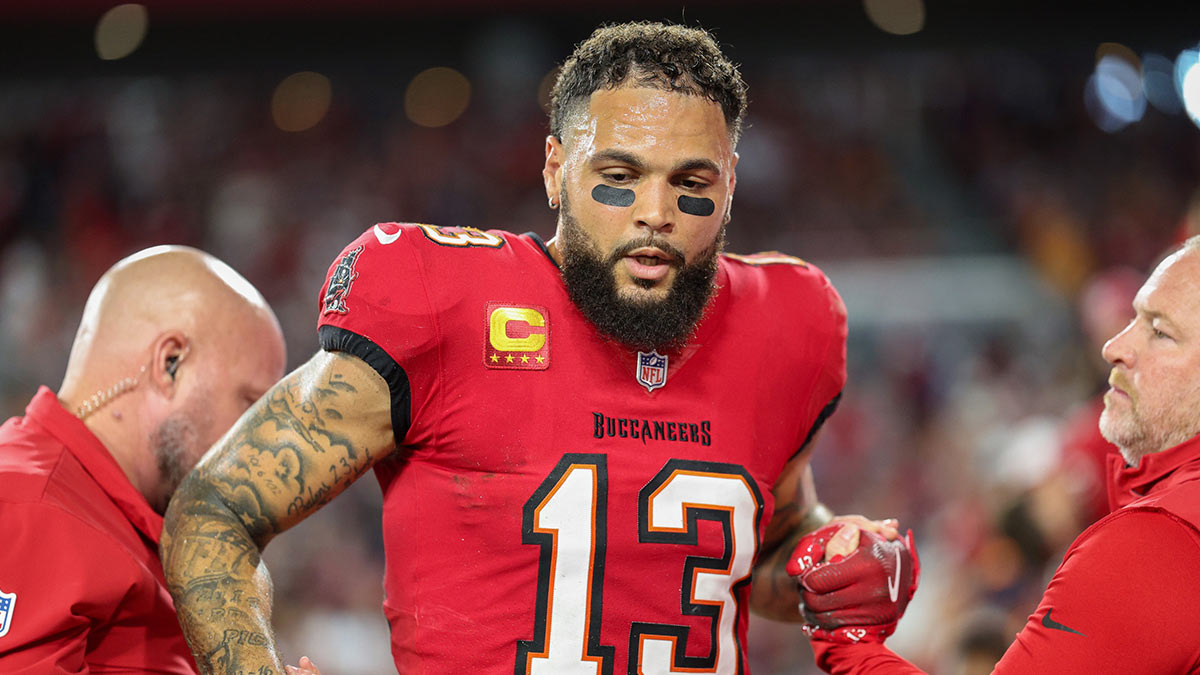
(173, 347)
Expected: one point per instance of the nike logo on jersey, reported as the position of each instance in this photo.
(894, 584)
(385, 238)
(1051, 623)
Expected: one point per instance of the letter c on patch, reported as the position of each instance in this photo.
(516, 329)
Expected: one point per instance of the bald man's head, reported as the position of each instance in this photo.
(172, 348)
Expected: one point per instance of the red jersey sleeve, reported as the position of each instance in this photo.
(825, 304)
(374, 305)
(793, 302)
(58, 595)
(1123, 600)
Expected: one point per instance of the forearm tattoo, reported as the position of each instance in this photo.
(287, 457)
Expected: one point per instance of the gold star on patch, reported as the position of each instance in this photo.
(540, 359)
(508, 359)
(524, 359)
(495, 359)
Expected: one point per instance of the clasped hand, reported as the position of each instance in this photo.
(855, 582)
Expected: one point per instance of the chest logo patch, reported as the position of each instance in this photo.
(651, 370)
(518, 337)
(340, 282)
(8, 602)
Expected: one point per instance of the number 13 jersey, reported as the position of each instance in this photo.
(559, 503)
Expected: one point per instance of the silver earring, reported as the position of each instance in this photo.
(553, 203)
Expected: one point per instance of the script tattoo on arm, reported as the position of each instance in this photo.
(774, 593)
(311, 436)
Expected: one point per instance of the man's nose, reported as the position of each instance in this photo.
(655, 207)
(1119, 348)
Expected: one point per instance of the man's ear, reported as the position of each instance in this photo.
(552, 172)
(732, 185)
(170, 350)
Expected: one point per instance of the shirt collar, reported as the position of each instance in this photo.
(1130, 483)
(47, 411)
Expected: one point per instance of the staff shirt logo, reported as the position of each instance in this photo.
(8, 603)
(518, 337)
(651, 370)
(340, 282)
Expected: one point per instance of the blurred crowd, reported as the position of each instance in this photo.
(977, 432)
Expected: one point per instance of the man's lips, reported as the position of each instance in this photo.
(648, 263)
(1118, 386)
(650, 254)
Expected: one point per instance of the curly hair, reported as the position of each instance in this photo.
(668, 57)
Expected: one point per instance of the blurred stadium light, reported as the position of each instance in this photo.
(1187, 82)
(1158, 82)
(1114, 94)
(898, 17)
(121, 30)
(437, 96)
(301, 101)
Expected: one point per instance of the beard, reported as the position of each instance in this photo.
(176, 445)
(1137, 432)
(642, 324)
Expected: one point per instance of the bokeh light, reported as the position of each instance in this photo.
(898, 17)
(1114, 95)
(436, 97)
(1187, 82)
(121, 30)
(301, 101)
(1158, 83)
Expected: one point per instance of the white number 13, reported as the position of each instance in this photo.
(567, 517)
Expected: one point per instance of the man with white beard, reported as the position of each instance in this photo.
(1124, 598)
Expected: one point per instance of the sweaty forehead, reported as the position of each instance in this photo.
(650, 121)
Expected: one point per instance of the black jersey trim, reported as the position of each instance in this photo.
(542, 245)
(335, 339)
(825, 413)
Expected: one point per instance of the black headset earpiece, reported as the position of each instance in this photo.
(172, 365)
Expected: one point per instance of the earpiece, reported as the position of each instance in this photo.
(173, 361)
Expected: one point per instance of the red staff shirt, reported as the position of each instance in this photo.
(81, 584)
(1125, 597)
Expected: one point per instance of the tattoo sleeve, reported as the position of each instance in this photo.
(311, 436)
(774, 593)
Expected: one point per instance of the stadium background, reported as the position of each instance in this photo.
(963, 171)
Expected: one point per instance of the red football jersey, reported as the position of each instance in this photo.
(560, 503)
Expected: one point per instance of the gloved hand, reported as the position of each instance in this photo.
(857, 597)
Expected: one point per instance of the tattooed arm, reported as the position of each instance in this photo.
(298, 447)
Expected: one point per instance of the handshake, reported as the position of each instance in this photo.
(854, 584)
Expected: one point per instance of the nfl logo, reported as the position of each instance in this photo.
(7, 602)
(651, 370)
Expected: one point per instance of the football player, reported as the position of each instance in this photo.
(588, 447)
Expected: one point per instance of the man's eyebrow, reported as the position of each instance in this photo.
(697, 164)
(621, 156)
(630, 159)
(1153, 314)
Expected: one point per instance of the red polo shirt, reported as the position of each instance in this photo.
(81, 584)
(1125, 598)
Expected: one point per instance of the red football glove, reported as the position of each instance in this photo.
(859, 597)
